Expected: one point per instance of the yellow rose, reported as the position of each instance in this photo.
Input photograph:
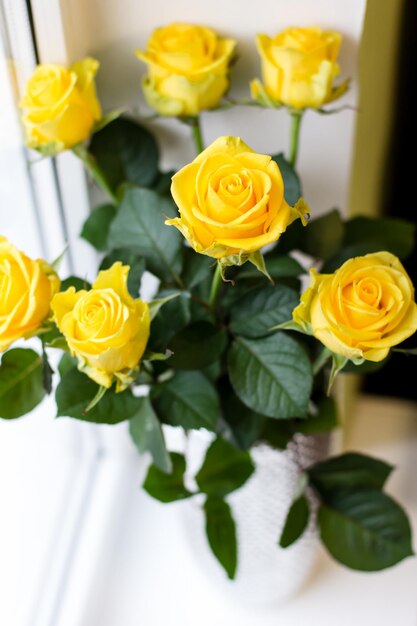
(231, 200)
(26, 290)
(187, 69)
(105, 328)
(299, 66)
(61, 106)
(363, 309)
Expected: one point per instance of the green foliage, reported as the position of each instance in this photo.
(257, 311)
(324, 235)
(139, 225)
(75, 281)
(292, 183)
(349, 470)
(296, 522)
(21, 385)
(187, 399)
(125, 151)
(146, 432)
(96, 227)
(76, 391)
(167, 487)
(225, 469)
(272, 376)
(221, 533)
(196, 346)
(240, 425)
(171, 318)
(365, 529)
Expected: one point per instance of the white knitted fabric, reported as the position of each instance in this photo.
(267, 574)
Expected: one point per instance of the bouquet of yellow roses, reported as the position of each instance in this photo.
(228, 344)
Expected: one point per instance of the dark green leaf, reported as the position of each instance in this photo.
(75, 281)
(348, 471)
(323, 420)
(21, 386)
(196, 267)
(272, 376)
(97, 225)
(365, 530)
(134, 261)
(139, 225)
(324, 235)
(47, 373)
(66, 363)
(146, 432)
(224, 469)
(163, 182)
(188, 399)
(296, 522)
(261, 308)
(241, 426)
(278, 433)
(75, 392)
(279, 266)
(125, 151)
(392, 235)
(171, 318)
(292, 184)
(221, 533)
(167, 487)
(196, 346)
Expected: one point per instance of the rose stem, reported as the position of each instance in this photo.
(294, 136)
(198, 138)
(95, 172)
(215, 287)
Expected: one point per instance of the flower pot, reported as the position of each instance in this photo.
(267, 574)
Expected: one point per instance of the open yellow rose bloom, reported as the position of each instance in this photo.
(187, 69)
(105, 328)
(299, 66)
(26, 290)
(362, 310)
(60, 105)
(231, 200)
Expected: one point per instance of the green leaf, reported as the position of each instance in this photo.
(279, 266)
(241, 425)
(349, 471)
(393, 235)
(134, 261)
(296, 522)
(167, 487)
(125, 151)
(139, 225)
(173, 316)
(75, 281)
(47, 372)
(196, 268)
(187, 399)
(75, 392)
(66, 363)
(272, 376)
(96, 227)
(258, 261)
(365, 530)
(155, 305)
(225, 469)
(21, 387)
(162, 184)
(292, 184)
(338, 363)
(196, 346)
(146, 432)
(322, 420)
(324, 235)
(221, 533)
(254, 314)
